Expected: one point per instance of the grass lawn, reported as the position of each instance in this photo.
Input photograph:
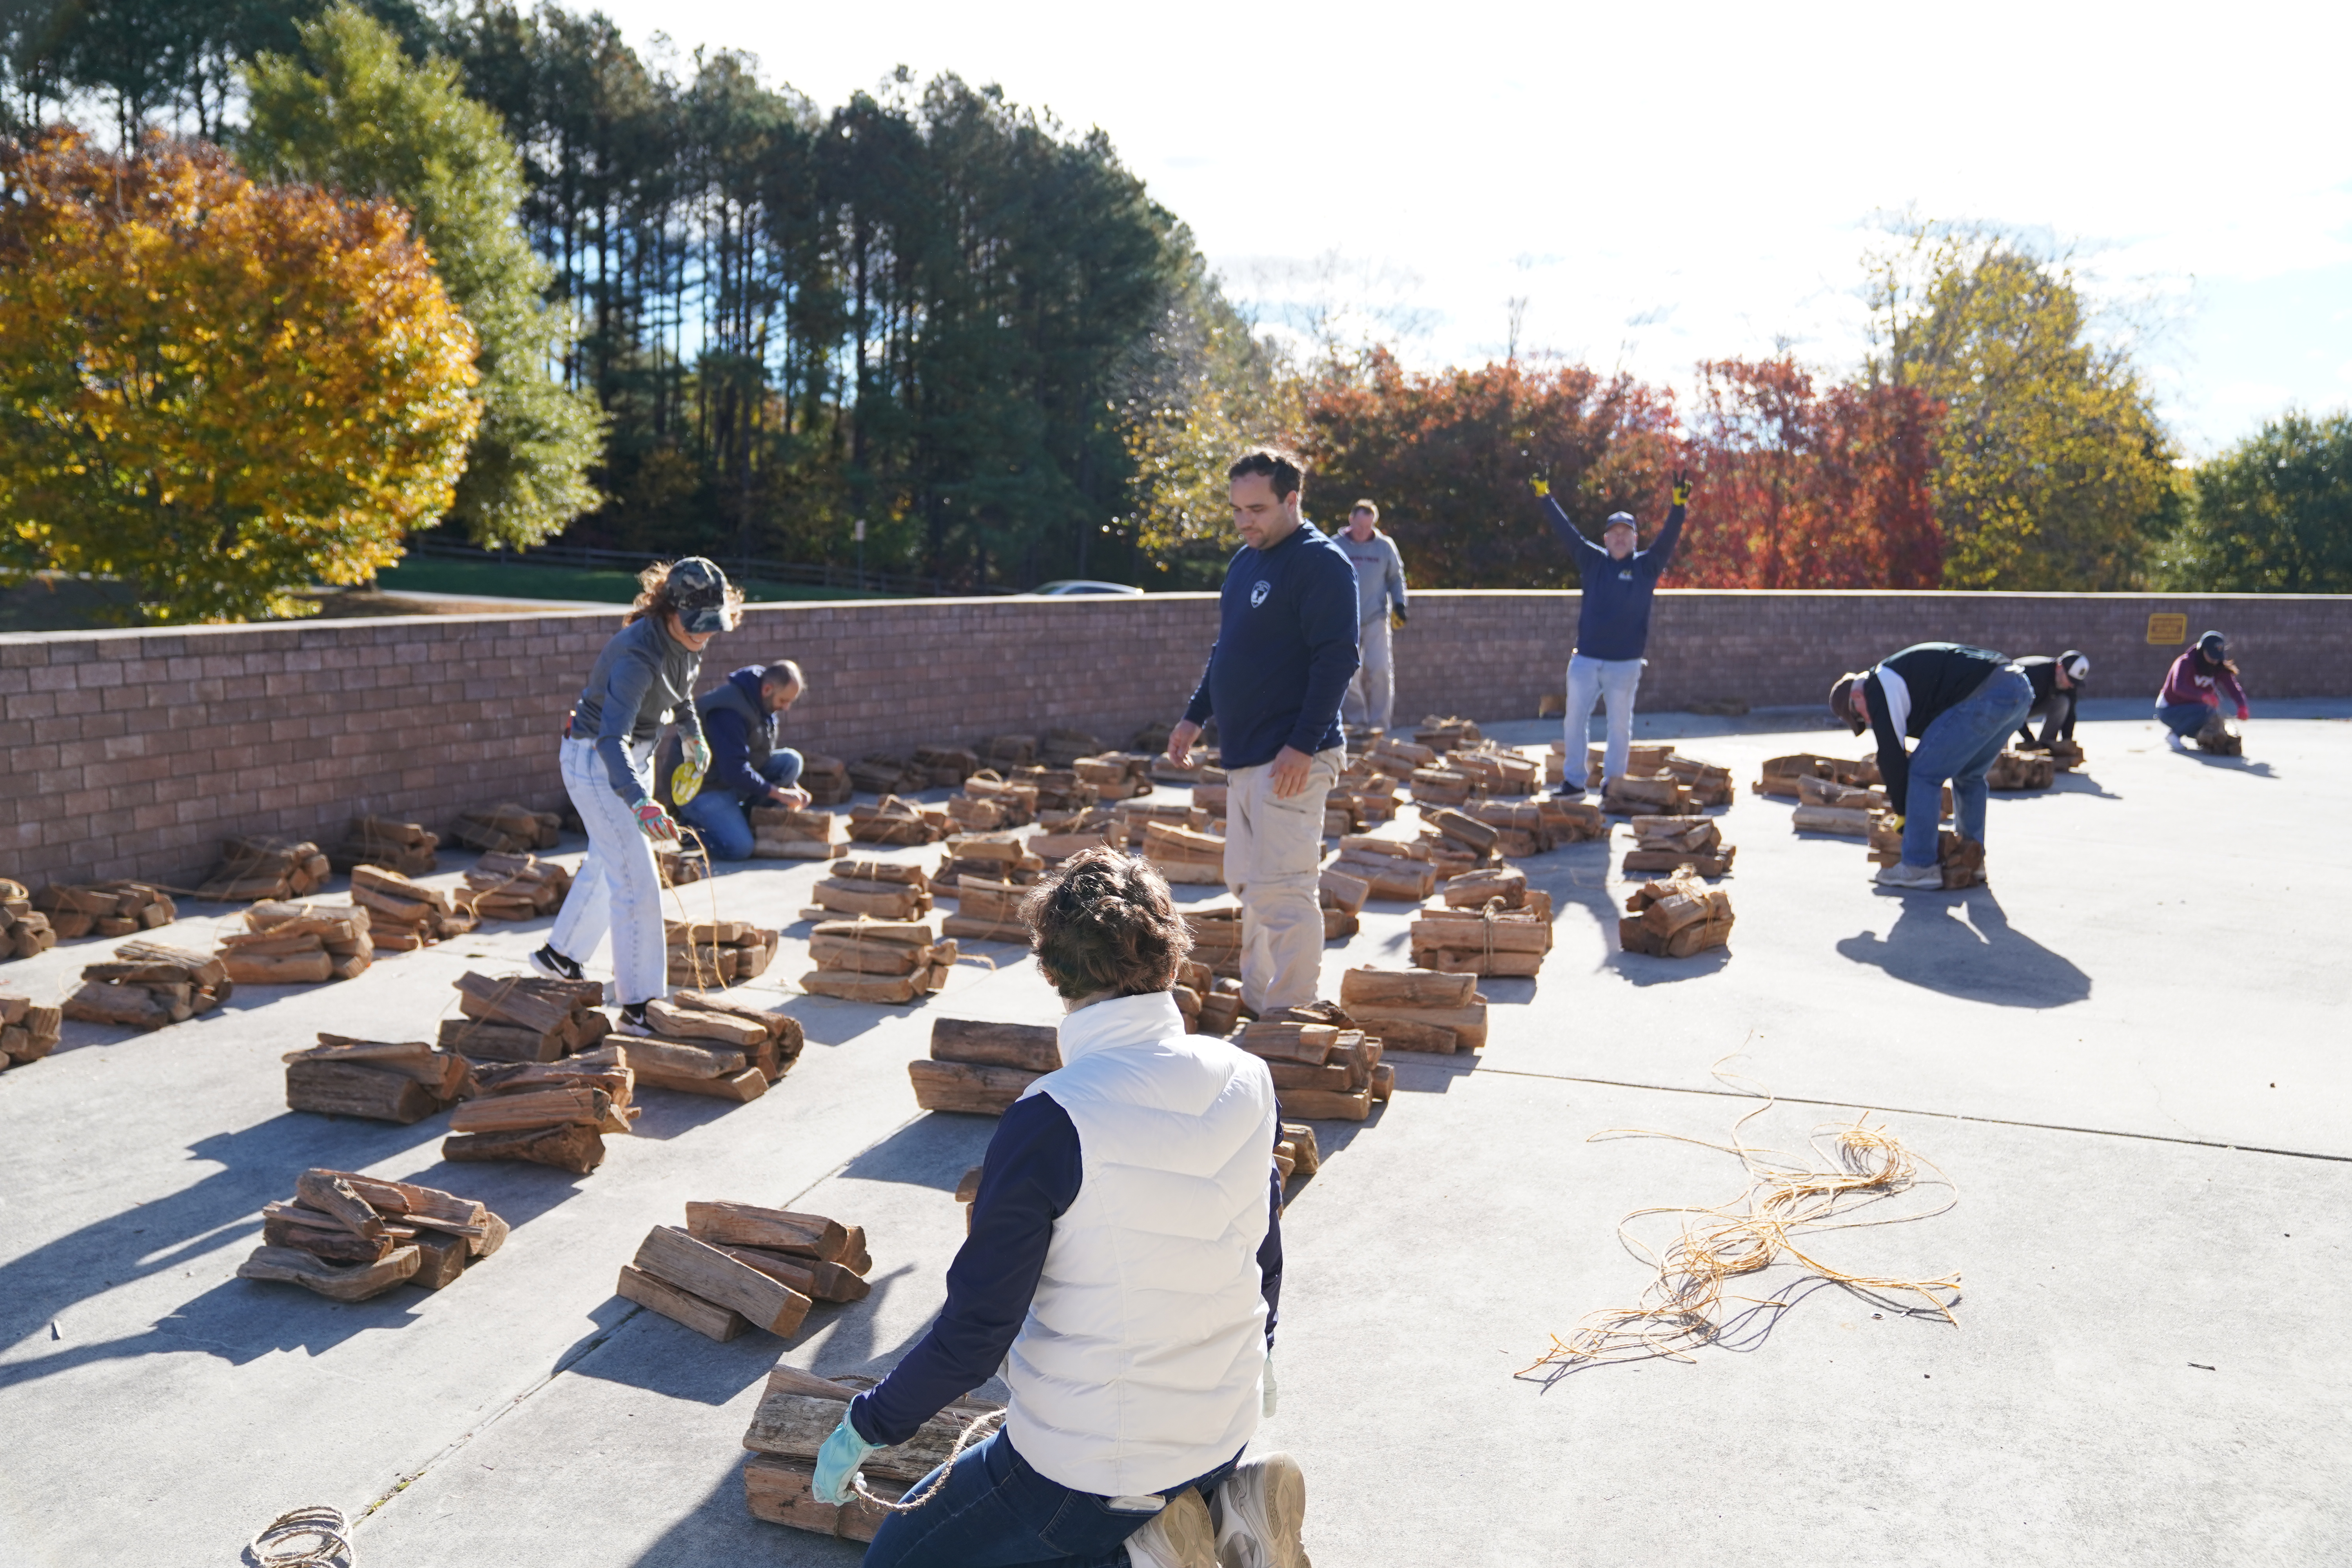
(421, 574)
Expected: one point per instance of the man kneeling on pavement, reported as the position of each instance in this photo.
(748, 768)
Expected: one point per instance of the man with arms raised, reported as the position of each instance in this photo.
(1285, 648)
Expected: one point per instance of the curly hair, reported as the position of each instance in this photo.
(1102, 920)
(654, 596)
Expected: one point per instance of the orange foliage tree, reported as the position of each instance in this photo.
(1807, 487)
(1447, 455)
(216, 390)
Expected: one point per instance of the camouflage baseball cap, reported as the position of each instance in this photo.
(698, 590)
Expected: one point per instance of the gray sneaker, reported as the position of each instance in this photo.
(1179, 1536)
(1261, 1509)
(1907, 876)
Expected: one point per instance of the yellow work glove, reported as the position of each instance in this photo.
(1894, 822)
(1681, 487)
(1396, 618)
(1541, 485)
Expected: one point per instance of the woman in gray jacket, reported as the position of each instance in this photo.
(643, 679)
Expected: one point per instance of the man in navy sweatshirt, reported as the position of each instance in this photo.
(748, 768)
(1285, 653)
(1612, 621)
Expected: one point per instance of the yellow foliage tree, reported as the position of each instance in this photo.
(215, 390)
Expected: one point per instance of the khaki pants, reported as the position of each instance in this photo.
(1372, 691)
(1274, 860)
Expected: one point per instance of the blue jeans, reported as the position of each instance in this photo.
(996, 1511)
(2184, 717)
(724, 821)
(1960, 744)
(1592, 680)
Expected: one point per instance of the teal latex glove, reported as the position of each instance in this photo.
(838, 1462)
(1268, 1408)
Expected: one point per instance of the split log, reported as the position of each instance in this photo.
(576, 1147)
(775, 1230)
(1031, 1048)
(534, 1108)
(812, 1277)
(1846, 822)
(677, 1259)
(707, 1317)
(798, 1411)
(295, 1267)
(966, 1087)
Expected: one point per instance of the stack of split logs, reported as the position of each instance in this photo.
(1417, 1009)
(1061, 748)
(986, 857)
(507, 829)
(502, 886)
(980, 1068)
(24, 929)
(1458, 843)
(1962, 860)
(1446, 733)
(1670, 843)
(682, 864)
(2064, 755)
(718, 952)
(1780, 775)
(797, 1413)
(403, 847)
(1495, 887)
(28, 1030)
(299, 944)
(931, 767)
(403, 915)
(826, 779)
(2016, 770)
(147, 985)
(990, 802)
(895, 821)
(383, 1080)
(1216, 929)
(885, 889)
(253, 868)
(1322, 1072)
(546, 1113)
(986, 910)
(348, 1236)
(1674, 918)
(786, 833)
(1826, 806)
(524, 1019)
(1184, 854)
(738, 1265)
(1363, 798)
(865, 960)
(1396, 869)
(713, 1043)
(1489, 940)
(1647, 787)
(1063, 831)
(1295, 1154)
(1709, 784)
(1496, 770)
(1536, 828)
(2216, 739)
(101, 909)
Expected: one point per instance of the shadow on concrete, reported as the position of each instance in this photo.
(515, 1190)
(1964, 946)
(827, 1021)
(1425, 1072)
(719, 1528)
(2234, 765)
(932, 1151)
(669, 1114)
(640, 1349)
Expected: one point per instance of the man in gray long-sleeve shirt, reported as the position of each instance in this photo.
(1380, 606)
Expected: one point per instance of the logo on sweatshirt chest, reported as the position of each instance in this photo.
(1258, 594)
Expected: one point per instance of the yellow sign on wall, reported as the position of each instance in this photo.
(2168, 630)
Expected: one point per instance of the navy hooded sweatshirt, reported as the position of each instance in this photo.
(1612, 616)
(1285, 650)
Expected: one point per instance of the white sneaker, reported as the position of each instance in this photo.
(1262, 1507)
(1907, 876)
(2172, 738)
(1179, 1536)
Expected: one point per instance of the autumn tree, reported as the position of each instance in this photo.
(2054, 471)
(351, 112)
(2272, 514)
(216, 390)
(1809, 487)
(1447, 455)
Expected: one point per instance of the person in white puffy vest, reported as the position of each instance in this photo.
(1124, 1268)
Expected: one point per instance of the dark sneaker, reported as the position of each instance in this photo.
(633, 1022)
(554, 965)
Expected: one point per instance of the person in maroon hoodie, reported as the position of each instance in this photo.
(2194, 687)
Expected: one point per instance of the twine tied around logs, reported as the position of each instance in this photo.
(281, 1543)
(964, 1439)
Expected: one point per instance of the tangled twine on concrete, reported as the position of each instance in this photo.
(938, 1476)
(1786, 1199)
(279, 1545)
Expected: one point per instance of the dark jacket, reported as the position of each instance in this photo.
(1285, 650)
(2057, 707)
(1612, 616)
(1930, 676)
(741, 733)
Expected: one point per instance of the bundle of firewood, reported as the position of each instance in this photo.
(507, 829)
(403, 1081)
(1709, 784)
(988, 857)
(946, 767)
(24, 929)
(1211, 792)
(1485, 941)
(884, 772)
(1361, 800)
(1295, 1154)
(1399, 758)
(500, 886)
(1341, 898)
(1441, 784)
(1321, 1071)
(1199, 767)
(1638, 794)
(1417, 1009)
(1114, 776)
(1062, 833)
(885, 889)
(681, 865)
(723, 1025)
(896, 821)
(1184, 855)
(990, 801)
(253, 868)
(299, 944)
(1447, 734)
(980, 1068)
(524, 1019)
(1221, 1007)
(1216, 929)
(99, 908)
(403, 916)
(878, 960)
(987, 911)
(1058, 789)
(1497, 769)
(2015, 770)
(718, 952)
(738, 1265)
(1779, 775)
(1846, 810)
(1132, 817)
(1506, 887)
(826, 779)
(786, 833)
(999, 752)
(1403, 871)
(1665, 843)
(1674, 918)
(1962, 860)
(1062, 748)
(1458, 842)
(1536, 828)
(348, 1236)
(148, 985)
(2064, 755)
(547, 1113)
(403, 847)
(797, 1413)
(28, 1030)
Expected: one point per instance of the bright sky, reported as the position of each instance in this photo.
(1663, 183)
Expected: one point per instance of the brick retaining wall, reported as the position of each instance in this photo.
(133, 752)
